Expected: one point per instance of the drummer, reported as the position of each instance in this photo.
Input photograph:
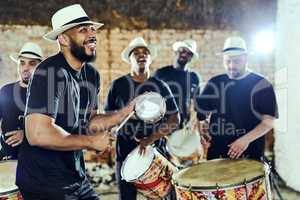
(183, 82)
(135, 132)
(241, 105)
(13, 100)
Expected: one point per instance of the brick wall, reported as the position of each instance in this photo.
(111, 42)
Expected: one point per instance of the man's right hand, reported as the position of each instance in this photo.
(102, 141)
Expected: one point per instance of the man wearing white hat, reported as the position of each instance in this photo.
(62, 97)
(183, 82)
(137, 132)
(241, 106)
(13, 100)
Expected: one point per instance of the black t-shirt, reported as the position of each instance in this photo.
(184, 86)
(122, 91)
(236, 107)
(63, 94)
(12, 106)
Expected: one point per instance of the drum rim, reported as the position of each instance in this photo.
(264, 175)
(13, 191)
(189, 187)
(136, 179)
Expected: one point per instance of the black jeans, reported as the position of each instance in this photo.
(84, 191)
(7, 151)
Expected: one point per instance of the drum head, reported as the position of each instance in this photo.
(7, 176)
(150, 107)
(221, 172)
(136, 165)
(183, 143)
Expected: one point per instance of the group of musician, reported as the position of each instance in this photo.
(51, 113)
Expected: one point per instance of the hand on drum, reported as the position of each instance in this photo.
(15, 138)
(102, 141)
(238, 147)
(144, 142)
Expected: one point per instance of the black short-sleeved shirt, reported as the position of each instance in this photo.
(12, 106)
(122, 91)
(63, 94)
(236, 107)
(184, 86)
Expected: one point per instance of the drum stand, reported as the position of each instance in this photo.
(273, 176)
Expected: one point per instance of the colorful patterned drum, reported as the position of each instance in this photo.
(184, 147)
(151, 173)
(223, 179)
(8, 189)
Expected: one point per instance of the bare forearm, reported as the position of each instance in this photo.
(55, 138)
(261, 129)
(106, 121)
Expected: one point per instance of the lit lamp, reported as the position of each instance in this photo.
(264, 42)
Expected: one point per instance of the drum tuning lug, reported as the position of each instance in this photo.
(246, 189)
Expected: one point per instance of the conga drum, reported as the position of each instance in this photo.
(223, 179)
(149, 173)
(8, 189)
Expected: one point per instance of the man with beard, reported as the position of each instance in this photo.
(13, 100)
(137, 132)
(63, 86)
(241, 106)
(183, 82)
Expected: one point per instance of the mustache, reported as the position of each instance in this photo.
(91, 40)
(183, 57)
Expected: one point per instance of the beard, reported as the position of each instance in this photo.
(25, 77)
(79, 53)
(25, 81)
(236, 73)
(182, 62)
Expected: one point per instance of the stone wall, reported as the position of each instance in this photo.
(111, 42)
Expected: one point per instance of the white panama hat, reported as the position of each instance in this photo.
(235, 46)
(189, 44)
(137, 42)
(29, 50)
(67, 18)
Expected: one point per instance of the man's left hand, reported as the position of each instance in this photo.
(238, 147)
(15, 138)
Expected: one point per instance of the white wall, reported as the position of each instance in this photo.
(287, 81)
